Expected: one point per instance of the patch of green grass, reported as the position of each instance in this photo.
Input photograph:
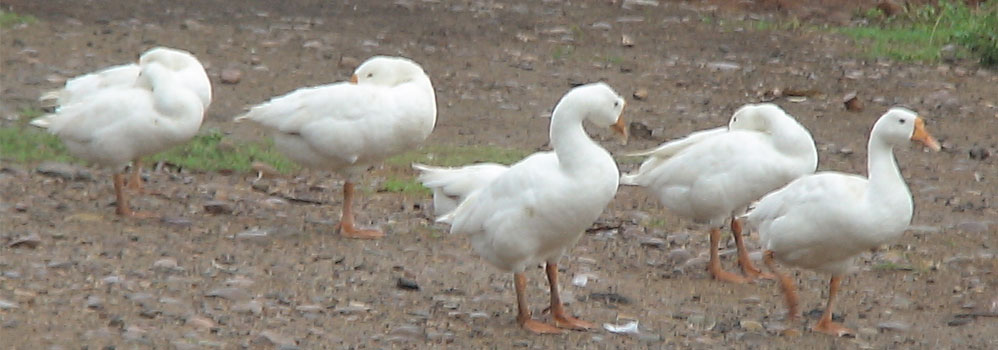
(24, 144)
(10, 19)
(441, 155)
(920, 33)
(29, 113)
(403, 185)
(212, 151)
(889, 266)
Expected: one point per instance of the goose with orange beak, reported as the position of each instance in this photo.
(386, 108)
(538, 209)
(821, 221)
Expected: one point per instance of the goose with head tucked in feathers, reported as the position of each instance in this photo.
(538, 208)
(822, 221)
(388, 107)
(117, 125)
(189, 71)
(710, 176)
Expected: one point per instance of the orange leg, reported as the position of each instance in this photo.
(523, 312)
(346, 226)
(562, 318)
(119, 193)
(826, 325)
(714, 266)
(135, 183)
(786, 285)
(743, 259)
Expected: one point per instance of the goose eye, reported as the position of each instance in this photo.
(616, 103)
(370, 75)
(901, 121)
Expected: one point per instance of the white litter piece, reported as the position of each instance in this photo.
(627, 328)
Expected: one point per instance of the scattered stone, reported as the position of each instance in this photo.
(352, 307)
(640, 94)
(900, 303)
(679, 256)
(626, 40)
(629, 4)
(897, 326)
(169, 264)
(310, 308)
(28, 241)
(264, 170)
(852, 102)
(653, 242)
(230, 293)
(979, 153)
(724, 66)
(7, 304)
(199, 322)
(406, 284)
(254, 235)
(249, 307)
(218, 207)
(176, 221)
(751, 325)
(95, 302)
(231, 76)
(751, 300)
(958, 320)
(408, 331)
(280, 340)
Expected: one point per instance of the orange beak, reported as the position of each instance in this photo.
(620, 127)
(353, 79)
(923, 136)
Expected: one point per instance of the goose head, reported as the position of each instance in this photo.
(599, 104)
(899, 126)
(756, 117)
(172, 59)
(387, 71)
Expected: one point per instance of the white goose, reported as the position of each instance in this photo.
(822, 221)
(712, 175)
(388, 107)
(189, 70)
(540, 207)
(117, 125)
(451, 186)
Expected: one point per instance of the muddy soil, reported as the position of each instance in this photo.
(236, 265)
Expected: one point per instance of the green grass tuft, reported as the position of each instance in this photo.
(405, 186)
(24, 144)
(921, 33)
(441, 155)
(10, 19)
(212, 151)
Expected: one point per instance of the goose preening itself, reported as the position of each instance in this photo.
(119, 124)
(388, 107)
(539, 208)
(713, 175)
(822, 221)
(190, 73)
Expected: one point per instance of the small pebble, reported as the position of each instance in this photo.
(231, 76)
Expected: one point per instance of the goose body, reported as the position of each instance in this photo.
(712, 175)
(388, 107)
(119, 124)
(822, 221)
(538, 208)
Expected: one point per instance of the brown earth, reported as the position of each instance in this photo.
(96, 281)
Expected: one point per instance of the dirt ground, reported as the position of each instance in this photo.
(270, 273)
